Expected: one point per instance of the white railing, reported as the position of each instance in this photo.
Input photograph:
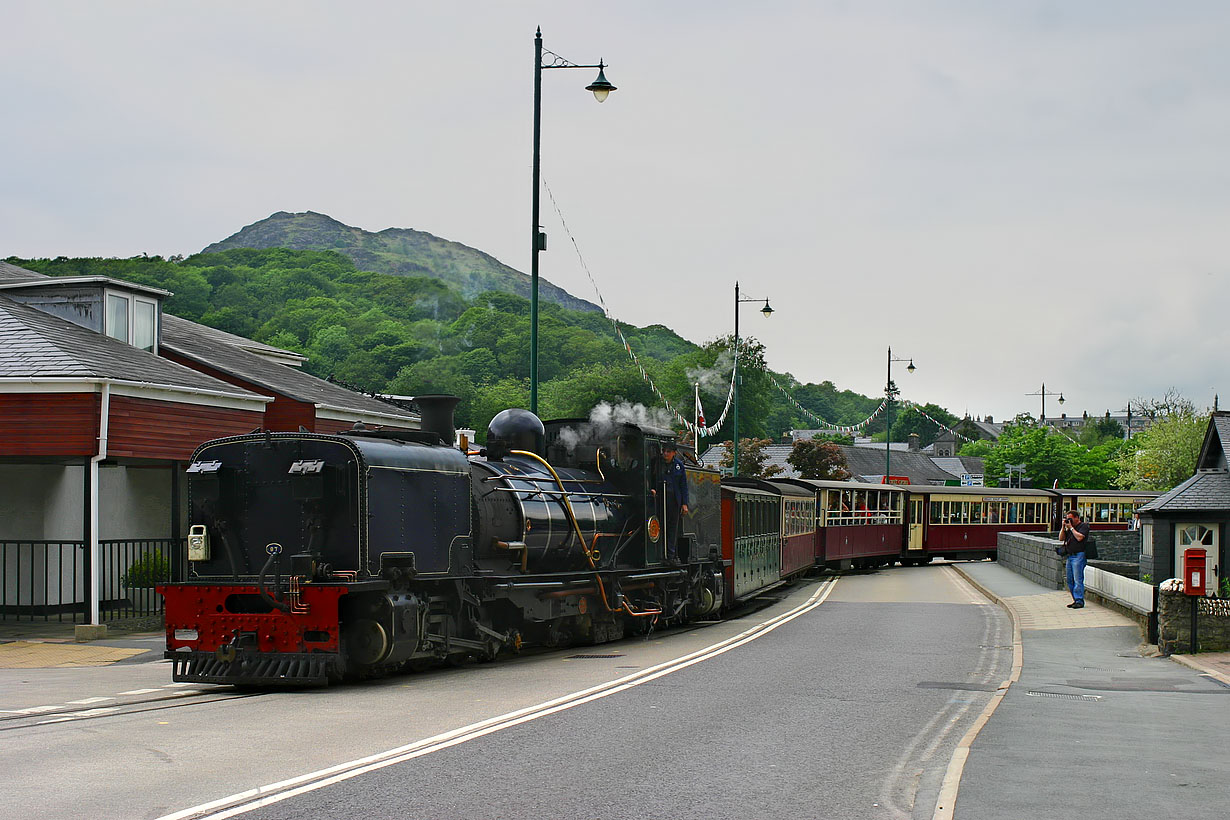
(1135, 595)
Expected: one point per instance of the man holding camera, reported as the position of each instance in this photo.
(1072, 539)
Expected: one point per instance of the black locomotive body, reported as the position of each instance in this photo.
(316, 556)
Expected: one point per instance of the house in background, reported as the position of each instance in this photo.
(1194, 515)
(103, 399)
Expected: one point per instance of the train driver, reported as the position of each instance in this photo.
(675, 479)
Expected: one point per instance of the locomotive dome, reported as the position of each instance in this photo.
(515, 429)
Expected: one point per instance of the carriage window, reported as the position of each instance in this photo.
(1030, 513)
(1012, 516)
(975, 512)
(935, 512)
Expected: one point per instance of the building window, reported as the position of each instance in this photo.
(132, 320)
(117, 317)
(1146, 537)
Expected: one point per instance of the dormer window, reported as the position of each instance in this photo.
(132, 319)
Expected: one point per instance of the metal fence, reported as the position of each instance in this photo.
(49, 580)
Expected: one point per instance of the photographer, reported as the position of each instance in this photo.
(1072, 540)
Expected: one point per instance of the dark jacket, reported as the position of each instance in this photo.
(675, 476)
(1071, 544)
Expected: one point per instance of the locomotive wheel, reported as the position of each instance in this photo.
(366, 642)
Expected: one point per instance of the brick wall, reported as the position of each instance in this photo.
(1033, 557)
(1175, 623)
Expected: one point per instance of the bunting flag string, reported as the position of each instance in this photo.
(712, 429)
(695, 429)
(848, 429)
(916, 408)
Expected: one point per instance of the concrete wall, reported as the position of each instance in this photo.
(24, 493)
(1033, 557)
(45, 502)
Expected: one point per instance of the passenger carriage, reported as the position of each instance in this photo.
(797, 521)
(857, 525)
(751, 537)
(965, 522)
(1105, 509)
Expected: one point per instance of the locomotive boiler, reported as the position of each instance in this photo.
(313, 557)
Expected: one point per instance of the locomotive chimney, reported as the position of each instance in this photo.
(436, 416)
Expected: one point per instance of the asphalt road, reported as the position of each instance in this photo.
(841, 702)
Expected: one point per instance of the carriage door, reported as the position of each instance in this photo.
(1199, 536)
(917, 508)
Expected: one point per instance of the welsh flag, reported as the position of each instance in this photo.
(700, 411)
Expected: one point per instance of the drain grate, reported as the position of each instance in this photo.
(1062, 696)
(591, 657)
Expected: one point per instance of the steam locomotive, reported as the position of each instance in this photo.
(315, 557)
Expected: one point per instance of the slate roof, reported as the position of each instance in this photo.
(222, 337)
(38, 345)
(1206, 490)
(12, 273)
(862, 461)
(193, 341)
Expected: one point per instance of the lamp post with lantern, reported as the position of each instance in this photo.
(601, 89)
(767, 312)
(1043, 393)
(890, 393)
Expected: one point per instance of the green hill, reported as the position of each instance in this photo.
(399, 251)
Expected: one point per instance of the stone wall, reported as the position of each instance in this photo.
(1118, 545)
(1032, 556)
(1175, 623)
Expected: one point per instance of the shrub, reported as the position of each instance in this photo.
(151, 569)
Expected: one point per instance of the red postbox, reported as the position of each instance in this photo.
(1194, 570)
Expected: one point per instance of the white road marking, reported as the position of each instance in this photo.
(140, 691)
(34, 710)
(252, 799)
(88, 701)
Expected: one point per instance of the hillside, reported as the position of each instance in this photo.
(399, 251)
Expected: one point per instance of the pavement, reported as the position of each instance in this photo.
(52, 645)
(1093, 722)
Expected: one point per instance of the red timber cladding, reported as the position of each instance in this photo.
(283, 414)
(48, 424)
(143, 428)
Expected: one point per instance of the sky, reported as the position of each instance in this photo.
(1010, 194)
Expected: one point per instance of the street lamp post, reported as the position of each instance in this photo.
(1043, 393)
(601, 89)
(890, 393)
(767, 311)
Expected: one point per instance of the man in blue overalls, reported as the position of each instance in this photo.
(675, 479)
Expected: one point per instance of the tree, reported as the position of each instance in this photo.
(908, 420)
(752, 458)
(1163, 456)
(819, 460)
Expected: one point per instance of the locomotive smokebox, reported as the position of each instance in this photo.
(436, 416)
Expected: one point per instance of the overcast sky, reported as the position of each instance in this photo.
(1009, 193)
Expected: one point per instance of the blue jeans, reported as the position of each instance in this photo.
(1076, 576)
